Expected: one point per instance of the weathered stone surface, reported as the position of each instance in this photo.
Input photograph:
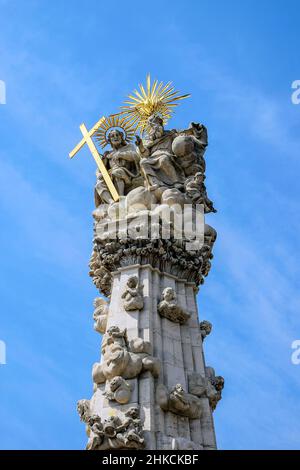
(178, 401)
(151, 387)
(133, 295)
(169, 308)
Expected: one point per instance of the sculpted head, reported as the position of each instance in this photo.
(93, 420)
(113, 330)
(133, 412)
(199, 178)
(155, 127)
(179, 389)
(168, 294)
(115, 383)
(133, 282)
(206, 326)
(116, 138)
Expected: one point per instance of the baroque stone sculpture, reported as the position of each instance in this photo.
(100, 315)
(121, 358)
(178, 401)
(133, 295)
(115, 432)
(168, 307)
(205, 328)
(119, 390)
(152, 250)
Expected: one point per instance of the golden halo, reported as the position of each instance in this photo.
(114, 122)
(154, 99)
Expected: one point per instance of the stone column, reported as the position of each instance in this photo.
(152, 373)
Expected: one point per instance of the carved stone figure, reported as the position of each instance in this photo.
(83, 409)
(120, 360)
(122, 165)
(178, 401)
(205, 328)
(133, 295)
(158, 165)
(100, 314)
(196, 190)
(169, 308)
(102, 278)
(96, 432)
(116, 432)
(167, 157)
(189, 147)
(119, 390)
(210, 386)
(214, 388)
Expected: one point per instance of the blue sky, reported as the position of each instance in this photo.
(66, 62)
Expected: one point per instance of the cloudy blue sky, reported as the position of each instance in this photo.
(66, 62)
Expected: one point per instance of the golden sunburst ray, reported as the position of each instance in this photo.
(115, 121)
(153, 98)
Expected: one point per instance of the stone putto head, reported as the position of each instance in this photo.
(133, 282)
(168, 294)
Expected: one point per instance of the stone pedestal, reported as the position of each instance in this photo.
(152, 389)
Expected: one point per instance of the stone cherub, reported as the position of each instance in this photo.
(133, 295)
(205, 328)
(100, 314)
(169, 308)
(123, 358)
(123, 432)
(132, 429)
(96, 432)
(196, 190)
(119, 390)
(215, 387)
(178, 401)
(208, 385)
(115, 432)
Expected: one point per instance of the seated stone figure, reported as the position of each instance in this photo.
(158, 165)
(122, 165)
(133, 295)
(120, 358)
(169, 308)
(178, 401)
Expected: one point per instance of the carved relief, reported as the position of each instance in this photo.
(119, 359)
(115, 432)
(169, 308)
(215, 387)
(178, 401)
(133, 295)
(100, 315)
(119, 390)
(205, 328)
(210, 386)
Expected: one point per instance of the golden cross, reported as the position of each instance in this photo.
(87, 139)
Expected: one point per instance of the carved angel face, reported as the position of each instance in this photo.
(179, 389)
(132, 282)
(133, 412)
(115, 383)
(168, 294)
